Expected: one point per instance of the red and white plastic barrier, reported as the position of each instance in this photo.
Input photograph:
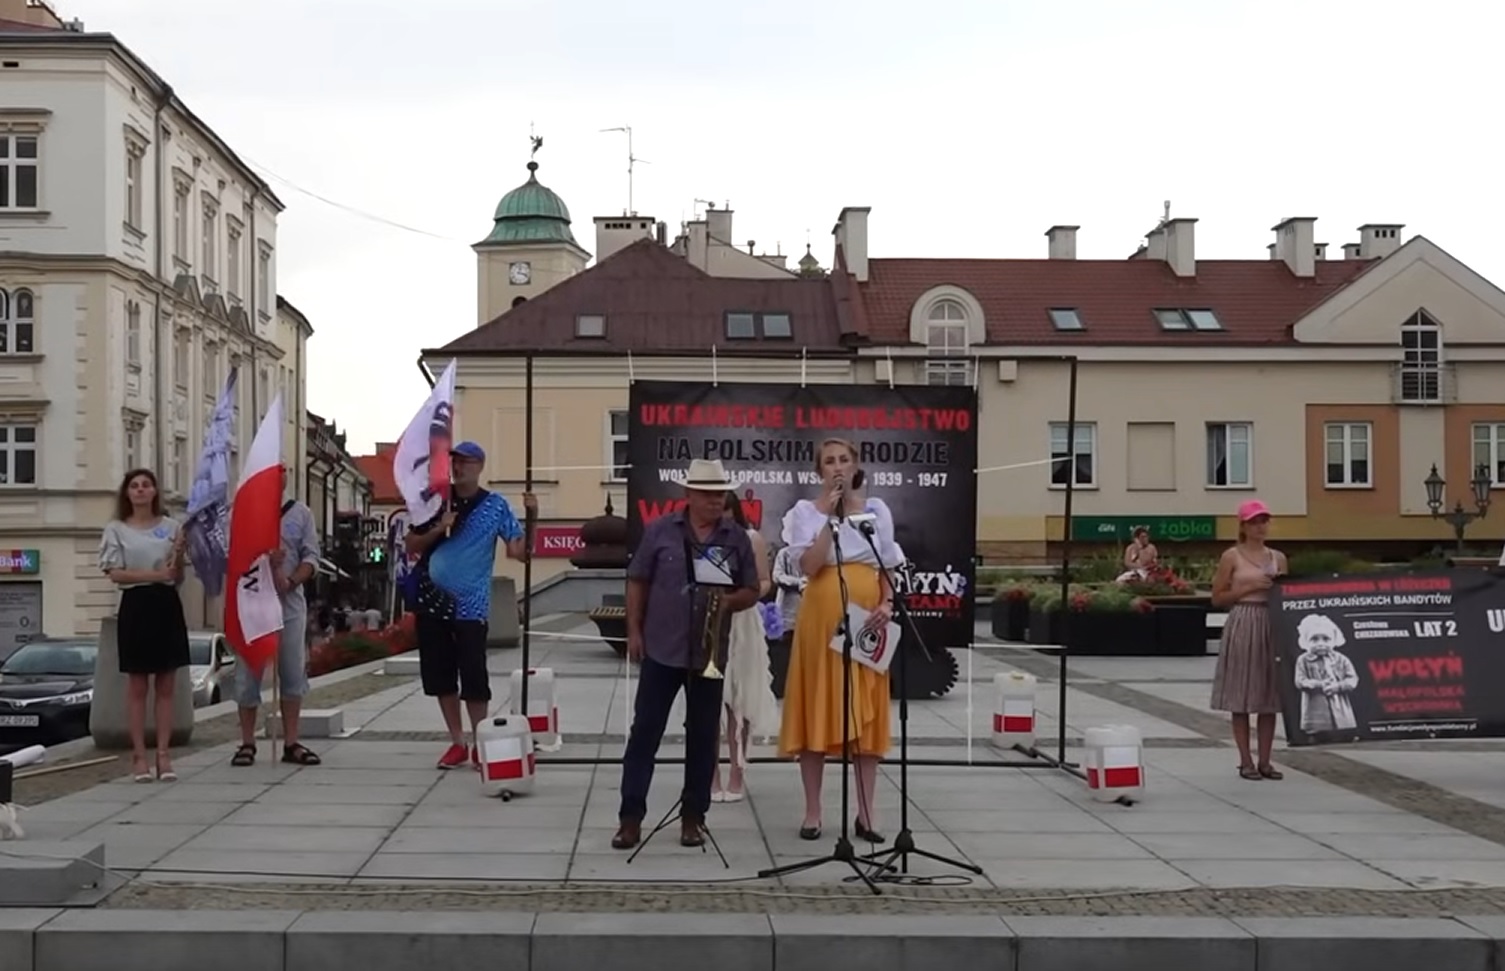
(1014, 712)
(543, 709)
(505, 747)
(1114, 762)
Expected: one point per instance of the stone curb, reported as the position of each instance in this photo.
(283, 940)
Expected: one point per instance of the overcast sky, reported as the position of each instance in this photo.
(969, 126)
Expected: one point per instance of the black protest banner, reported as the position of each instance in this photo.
(917, 446)
(1383, 657)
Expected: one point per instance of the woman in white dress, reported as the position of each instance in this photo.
(750, 707)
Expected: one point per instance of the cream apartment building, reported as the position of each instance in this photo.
(138, 261)
(1325, 384)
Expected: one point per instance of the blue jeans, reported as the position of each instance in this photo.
(292, 662)
(658, 685)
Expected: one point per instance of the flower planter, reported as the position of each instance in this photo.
(1180, 626)
(1098, 633)
(1010, 618)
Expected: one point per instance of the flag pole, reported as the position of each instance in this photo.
(527, 611)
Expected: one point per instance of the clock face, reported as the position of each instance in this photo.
(520, 273)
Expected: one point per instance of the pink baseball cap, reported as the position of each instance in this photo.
(1250, 509)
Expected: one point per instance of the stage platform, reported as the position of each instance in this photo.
(1361, 854)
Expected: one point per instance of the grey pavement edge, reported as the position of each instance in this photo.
(282, 940)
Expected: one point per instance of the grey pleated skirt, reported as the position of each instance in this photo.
(1246, 680)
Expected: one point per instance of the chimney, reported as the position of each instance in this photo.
(718, 223)
(1271, 248)
(851, 238)
(614, 233)
(1321, 249)
(1154, 244)
(1181, 246)
(1350, 251)
(661, 233)
(1294, 244)
(1062, 242)
(1378, 240)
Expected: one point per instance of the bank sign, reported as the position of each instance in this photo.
(1120, 529)
(20, 562)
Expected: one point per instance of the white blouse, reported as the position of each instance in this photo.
(804, 523)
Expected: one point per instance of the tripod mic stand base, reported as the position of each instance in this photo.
(843, 852)
(903, 848)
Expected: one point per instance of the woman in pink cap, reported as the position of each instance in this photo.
(1245, 682)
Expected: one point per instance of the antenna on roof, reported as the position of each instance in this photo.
(702, 202)
(632, 161)
(1167, 217)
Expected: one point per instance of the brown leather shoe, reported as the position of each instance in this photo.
(691, 831)
(629, 834)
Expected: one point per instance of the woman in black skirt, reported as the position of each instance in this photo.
(142, 551)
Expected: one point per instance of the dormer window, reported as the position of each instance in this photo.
(1066, 319)
(1199, 319)
(746, 325)
(590, 325)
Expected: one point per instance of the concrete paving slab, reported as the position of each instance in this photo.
(268, 838)
(18, 927)
(892, 943)
(406, 941)
(257, 814)
(1288, 873)
(1365, 943)
(45, 873)
(1131, 943)
(148, 940)
(651, 942)
(497, 840)
(231, 865)
(1085, 875)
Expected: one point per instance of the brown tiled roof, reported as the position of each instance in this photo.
(654, 300)
(1257, 301)
(22, 27)
(378, 469)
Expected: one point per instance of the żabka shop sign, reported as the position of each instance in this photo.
(1175, 529)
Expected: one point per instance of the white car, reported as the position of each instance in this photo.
(211, 667)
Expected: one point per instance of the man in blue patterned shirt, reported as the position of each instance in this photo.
(457, 552)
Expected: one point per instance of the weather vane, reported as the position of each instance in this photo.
(537, 141)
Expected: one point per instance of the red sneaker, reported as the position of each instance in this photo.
(453, 757)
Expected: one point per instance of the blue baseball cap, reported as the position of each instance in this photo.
(469, 450)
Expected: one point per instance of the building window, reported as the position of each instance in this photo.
(176, 469)
(233, 247)
(1348, 455)
(776, 326)
(180, 221)
(210, 228)
(1421, 360)
(133, 335)
(1489, 449)
(18, 455)
(1229, 464)
(590, 325)
(18, 171)
(741, 326)
(264, 278)
(180, 362)
(211, 371)
(132, 447)
(17, 322)
(946, 337)
(1188, 320)
(1066, 319)
(134, 184)
(1082, 458)
(616, 445)
(263, 394)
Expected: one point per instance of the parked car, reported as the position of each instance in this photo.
(46, 690)
(211, 667)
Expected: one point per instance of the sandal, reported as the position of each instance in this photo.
(1270, 772)
(1249, 772)
(245, 755)
(299, 754)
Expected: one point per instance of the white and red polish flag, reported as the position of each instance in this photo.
(420, 465)
(253, 611)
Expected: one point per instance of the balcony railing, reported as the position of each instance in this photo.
(1423, 384)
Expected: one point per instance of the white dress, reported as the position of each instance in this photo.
(748, 690)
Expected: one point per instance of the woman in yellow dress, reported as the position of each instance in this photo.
(812, 727)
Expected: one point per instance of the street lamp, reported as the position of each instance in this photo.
(1460, 518)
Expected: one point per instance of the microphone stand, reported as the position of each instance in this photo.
(843, 852)
(904, 844)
